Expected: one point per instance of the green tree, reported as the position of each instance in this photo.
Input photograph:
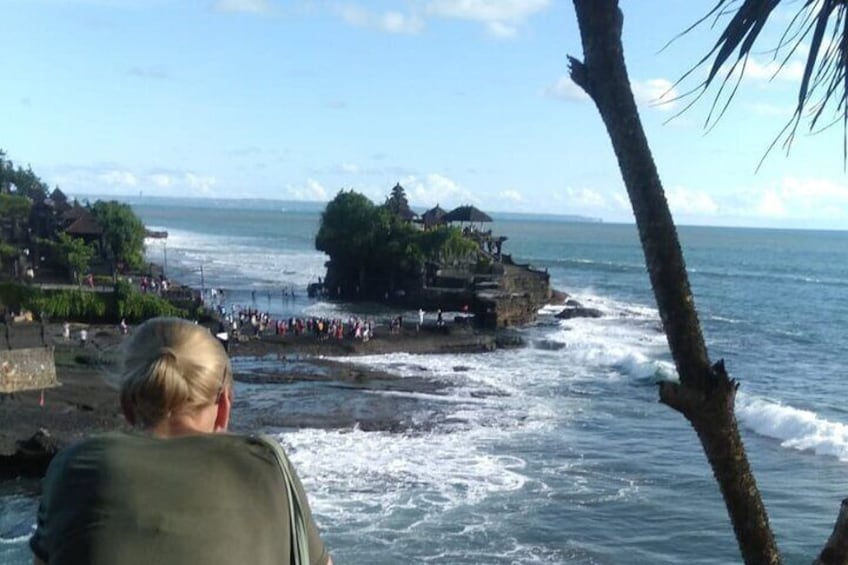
(705, 394)
(397, 203)
(123, 233)
(14, 209)
(347, 234)
(373, 250)
(75, 254)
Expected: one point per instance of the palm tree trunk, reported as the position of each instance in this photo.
(705, 394)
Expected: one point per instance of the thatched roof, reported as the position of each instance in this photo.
(73, 214)
(467, 214)
(58, 196)
(85, 225)
(433, 216)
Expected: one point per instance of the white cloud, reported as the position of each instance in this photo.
(312, 191)
(500, 17)
(390, 22)
(771, 205)
(808, 190)
(501, 30)
(791, 201)
(244, 6)
(201, 184)
(511, 195)
(685, 201)
(116, 178)
(658, 93)
(110, 179)
(763, 73)
(510, 11)
(161, 180)
(581, 200)
(565, 89)
(435, 189)
(396, 22)
(805, 199)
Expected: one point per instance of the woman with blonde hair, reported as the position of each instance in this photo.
(176, 489)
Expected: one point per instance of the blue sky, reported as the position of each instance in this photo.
(461, 101)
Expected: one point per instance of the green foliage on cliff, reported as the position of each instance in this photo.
(123, 233)
(375, 250)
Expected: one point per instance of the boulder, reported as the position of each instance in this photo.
(579, 312)
(31, 457)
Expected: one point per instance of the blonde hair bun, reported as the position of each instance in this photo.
(171, 365)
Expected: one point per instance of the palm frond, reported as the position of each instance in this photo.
(824, 81)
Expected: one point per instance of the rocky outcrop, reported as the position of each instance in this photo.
(578, 311)
(31, 456)
(512, 297)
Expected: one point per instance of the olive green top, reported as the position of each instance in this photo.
(124, 499)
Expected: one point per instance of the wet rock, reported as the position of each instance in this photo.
(31, 457)
(579, 312)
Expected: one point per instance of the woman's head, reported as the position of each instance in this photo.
(172, 368)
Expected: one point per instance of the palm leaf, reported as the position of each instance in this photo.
(824, 82)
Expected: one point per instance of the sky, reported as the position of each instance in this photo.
(460, 101)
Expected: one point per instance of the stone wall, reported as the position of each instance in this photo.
(27, 369)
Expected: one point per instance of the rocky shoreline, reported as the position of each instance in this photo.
(35, 424)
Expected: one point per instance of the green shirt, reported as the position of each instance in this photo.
(124, 499)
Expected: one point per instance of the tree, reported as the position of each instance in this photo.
(705, 394)
(123, 233)
(14, 209)
(374, 251)
(74, 253)
(347, 234)
(397, 203)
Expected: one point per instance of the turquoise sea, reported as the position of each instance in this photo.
(557, 452)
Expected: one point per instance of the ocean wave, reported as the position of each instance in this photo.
(798, 429)
(383, 471)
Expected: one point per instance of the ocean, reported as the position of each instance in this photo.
(556, 452)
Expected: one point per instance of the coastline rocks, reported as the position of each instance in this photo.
(579, 312)
(31, 456)
(509, 340)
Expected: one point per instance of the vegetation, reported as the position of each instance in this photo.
(375, 250)
(35, 234)
(74, 253)
(80, 305)
(705, 394)
(123, 234)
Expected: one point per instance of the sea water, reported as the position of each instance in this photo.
(556, 452)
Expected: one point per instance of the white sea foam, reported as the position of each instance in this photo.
(16, 539)
(356, 476)
(237, 262)
(796, 429)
